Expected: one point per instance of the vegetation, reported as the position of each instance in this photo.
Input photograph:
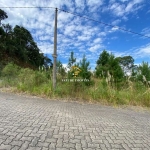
(132, 91)
(17, 45)
(116, 80)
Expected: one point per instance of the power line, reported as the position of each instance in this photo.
(85, 17)
(28, 7)
(106, 24)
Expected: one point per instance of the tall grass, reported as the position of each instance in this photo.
(40, 83)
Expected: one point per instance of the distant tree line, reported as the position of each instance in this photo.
(17, 45)
(119, 68)
(114, 69)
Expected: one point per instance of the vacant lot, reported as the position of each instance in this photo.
(37, 124)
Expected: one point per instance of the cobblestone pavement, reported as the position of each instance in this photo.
(36, 124)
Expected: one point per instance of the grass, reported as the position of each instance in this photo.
(39, 83)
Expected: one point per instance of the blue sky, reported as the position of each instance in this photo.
(83, 36)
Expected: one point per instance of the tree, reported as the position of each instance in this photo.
(108, 65)
(114, 68)
(103, 58)
(127, 63)
(6, 42)
(17, 45)
(71, 63)
(72, 60)
(3, 15)
(102, 64)
(28, 50)
(135, 70)
(84, 67)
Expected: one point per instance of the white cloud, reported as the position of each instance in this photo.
(42, 38)
(124, 0)
(98, 40)
(146, 31)
(116, 22)
(112, 1)
(117, 9)
(140, 53)
(80, 4)
(121, 9)
(69, 29)
(46, 48)
(143, 51)
(113, 29)
(95, 48)
(94, 2)
(74, 33)
(131, 5)
(83, 38)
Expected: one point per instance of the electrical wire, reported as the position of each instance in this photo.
(106, 24)
(29, 7)
(85, 17)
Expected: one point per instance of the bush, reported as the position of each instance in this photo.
(10, 71)
(29, 79)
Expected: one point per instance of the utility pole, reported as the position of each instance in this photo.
(55, 51)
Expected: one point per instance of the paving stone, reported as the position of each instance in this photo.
(43, 144)
(52, 140)
(44, 148)
(16, 148)
(16, 143)
(34, 141)
(26, 138)
(59, 143)
(69, 145)
(34, 148)
(30, 123)
(52, 146)
(25, 145)
(5, 147)
(75, 141)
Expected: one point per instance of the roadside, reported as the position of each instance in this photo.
(80, 101)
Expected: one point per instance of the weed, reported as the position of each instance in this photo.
(99, 90)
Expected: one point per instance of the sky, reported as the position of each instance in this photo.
(84, 36)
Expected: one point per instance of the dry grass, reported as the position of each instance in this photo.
(38, 83)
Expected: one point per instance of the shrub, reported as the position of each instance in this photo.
(10, 70)
(29, 79)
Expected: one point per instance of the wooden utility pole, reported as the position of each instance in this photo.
(55, 51)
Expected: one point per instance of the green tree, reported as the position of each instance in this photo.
(3, 15)
(85, 68)
(17, 45)
(72, 60)
(127, 64)
(6, 42)
(108, 64)
(102, 64)
(114, 68)
(71, 63)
